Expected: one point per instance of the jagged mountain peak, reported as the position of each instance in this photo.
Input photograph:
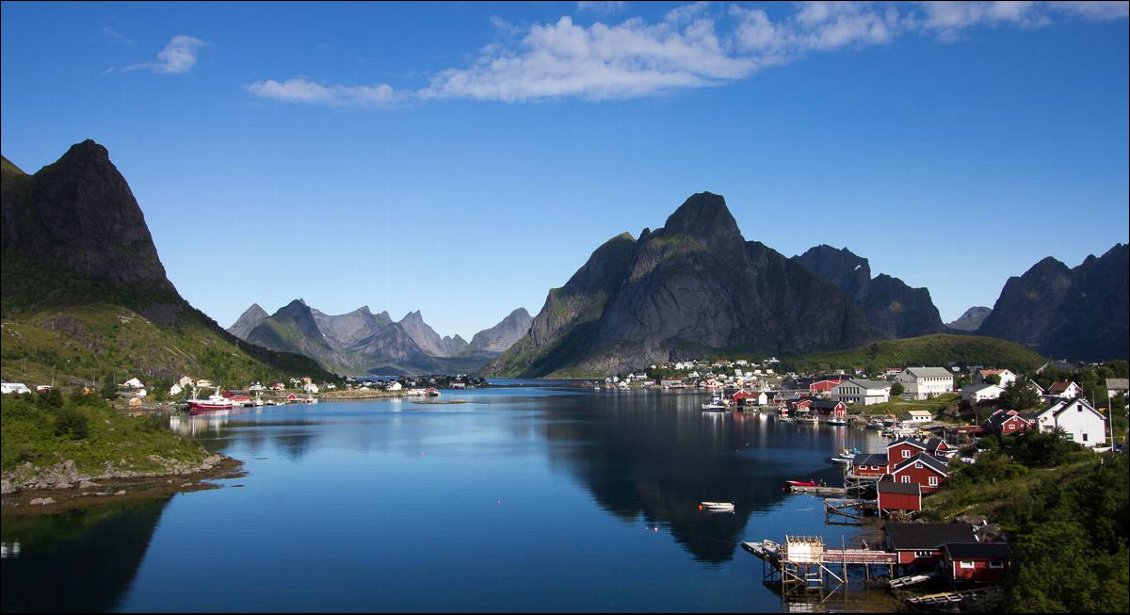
(252, 317)
(703, 216)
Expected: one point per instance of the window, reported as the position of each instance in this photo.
(905, 453)
(967, 565)
(996, 564)
(1084, 437)
(906, 479)
(923, 553)
(933, 481)
(917, 465)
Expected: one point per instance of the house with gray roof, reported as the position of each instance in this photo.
(925, 382)
(862, 392)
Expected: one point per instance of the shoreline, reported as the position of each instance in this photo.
(107, 489)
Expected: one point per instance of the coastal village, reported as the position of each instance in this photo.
(935, 420)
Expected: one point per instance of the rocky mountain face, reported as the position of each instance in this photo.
(348, 330)
(502, 336)
(1079, 313)
(693, 287)
(362, 343)
(75, 242)
(78, 217)
(893, 308)
(248, 320)
(971, 320)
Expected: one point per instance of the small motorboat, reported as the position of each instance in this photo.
(804, 483)
(716, 507)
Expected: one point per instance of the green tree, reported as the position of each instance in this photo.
(1019, 396)
(109, 388)
(897, 389)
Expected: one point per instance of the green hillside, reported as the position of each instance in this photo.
(939, 349)
(85, 344)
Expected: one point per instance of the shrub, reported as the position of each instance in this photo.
(71, 422)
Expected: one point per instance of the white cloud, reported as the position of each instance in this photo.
(596, 62)
(179, 56)
(694, 45)
(302, 90)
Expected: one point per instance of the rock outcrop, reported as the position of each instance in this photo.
(893, 308)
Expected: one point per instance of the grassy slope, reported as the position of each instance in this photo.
(77, 344)
(938, 349)
(114, 442)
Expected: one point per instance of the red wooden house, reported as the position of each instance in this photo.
(923, 469)
(830, 409)
(1007, 422)
(981, 562)
(823, 387)
(920, 544)
(868, 465)
(904, 448)
(893, 496)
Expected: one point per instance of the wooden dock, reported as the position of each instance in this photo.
(826, 491)
(803, 563)
(948, 598)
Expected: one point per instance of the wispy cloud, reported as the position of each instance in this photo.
(692, 46)
(179, 56)
(601, 7)
(302, 90)
(111, 34)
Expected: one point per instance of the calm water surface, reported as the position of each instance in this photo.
(521, 499)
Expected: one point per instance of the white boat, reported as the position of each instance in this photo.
(716, 403)
(835, 421)
(716, 506)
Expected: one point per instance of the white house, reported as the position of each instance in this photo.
(1064, 390)
(925, 382)
(184, 382)
(133, 383)
(175, 390)
(865, 392)
(918, 417)
(1116, 387)
(977, 393)
(1082, 423)
(1006, 376)
(394, 386)
(14, 388)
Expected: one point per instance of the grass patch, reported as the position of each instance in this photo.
(88, 431)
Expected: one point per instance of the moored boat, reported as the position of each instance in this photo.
(804, 483)
(716, 403)
(212, 403)
(716, 506)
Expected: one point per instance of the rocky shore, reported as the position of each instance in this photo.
(29, 489)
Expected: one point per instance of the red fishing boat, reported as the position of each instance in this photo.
(803, 483)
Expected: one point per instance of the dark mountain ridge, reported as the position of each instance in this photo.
(690, 288)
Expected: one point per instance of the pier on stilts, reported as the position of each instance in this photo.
(847, 511)
(805, 564)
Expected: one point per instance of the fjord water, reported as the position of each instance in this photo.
(519, 499)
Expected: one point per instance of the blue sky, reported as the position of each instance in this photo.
(462, 159)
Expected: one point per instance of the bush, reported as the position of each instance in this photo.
(71, 422)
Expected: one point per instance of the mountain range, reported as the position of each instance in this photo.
(696, 287)
(1075, 313)
(84, 292)
(693, 287)
(363, 343)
